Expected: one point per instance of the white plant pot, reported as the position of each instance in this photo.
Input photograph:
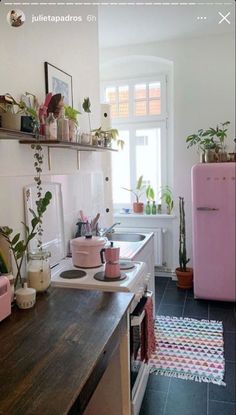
(10, 121)
(86, 138)
(25, 297)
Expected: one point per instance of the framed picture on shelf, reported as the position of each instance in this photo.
(58, 82)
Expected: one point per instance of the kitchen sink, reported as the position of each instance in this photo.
(126, 237)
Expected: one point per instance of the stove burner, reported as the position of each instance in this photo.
(73, 273)
(126, 265)
(100, 276)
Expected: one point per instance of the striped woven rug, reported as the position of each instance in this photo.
(189, 349)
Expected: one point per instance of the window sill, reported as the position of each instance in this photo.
(144, 216)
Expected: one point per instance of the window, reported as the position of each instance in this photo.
(139, 112)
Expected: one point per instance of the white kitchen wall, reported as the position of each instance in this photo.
(203, 95)
(73, 47)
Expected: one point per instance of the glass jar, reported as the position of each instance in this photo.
(51, 127)
(38, 270)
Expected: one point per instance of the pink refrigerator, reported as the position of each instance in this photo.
(213, 207)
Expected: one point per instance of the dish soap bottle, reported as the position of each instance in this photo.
(148, 208)
(51, 127)
(63, 127)
(154, 208)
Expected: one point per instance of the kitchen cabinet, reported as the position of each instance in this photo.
(54, 355)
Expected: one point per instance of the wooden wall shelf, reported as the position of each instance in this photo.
(27, 138)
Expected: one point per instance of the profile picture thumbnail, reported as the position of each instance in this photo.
(15, 18)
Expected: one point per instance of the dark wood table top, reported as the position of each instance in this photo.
(53, 356)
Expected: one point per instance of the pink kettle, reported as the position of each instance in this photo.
(112, 264)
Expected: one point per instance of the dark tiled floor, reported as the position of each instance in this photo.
(169, 396)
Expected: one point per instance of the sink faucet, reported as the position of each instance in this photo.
(104, 232)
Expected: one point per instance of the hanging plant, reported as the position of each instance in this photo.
(38, 165)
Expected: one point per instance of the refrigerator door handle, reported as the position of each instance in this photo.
(206, 209)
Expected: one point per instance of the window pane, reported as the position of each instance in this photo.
(111, 94)
(114, 110)
(155, 90)
(121, 171)
(148, 157)
(141, 108)
(124, 109)
(155, 107)
(140, 91)
(123, 93)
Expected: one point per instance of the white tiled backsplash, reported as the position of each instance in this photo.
(84, 189)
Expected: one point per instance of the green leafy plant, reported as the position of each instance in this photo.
(150, 194)
(87, 108)
(71, 113)
(109, 135)
(209, 139)
(183, 260)
(38, 165)
(19, 246)
(139, 190)
(167, 198)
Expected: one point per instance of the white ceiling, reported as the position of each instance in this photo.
(123, 25)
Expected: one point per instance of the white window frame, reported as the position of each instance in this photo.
(133, 123)
(131, 83)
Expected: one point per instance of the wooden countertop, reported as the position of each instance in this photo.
(53, 356)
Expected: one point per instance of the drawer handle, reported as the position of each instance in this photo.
(207, 209)
(137, 320)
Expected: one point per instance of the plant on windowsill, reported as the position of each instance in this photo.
(138, 206)
(167, 198)
(184, 274)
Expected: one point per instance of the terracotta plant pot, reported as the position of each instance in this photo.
(185, 278)
(138, 207)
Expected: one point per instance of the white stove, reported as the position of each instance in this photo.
(136, 279)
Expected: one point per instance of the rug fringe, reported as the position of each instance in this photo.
(197, 378)
(189, 319)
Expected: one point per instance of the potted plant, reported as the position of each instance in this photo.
(19, 246)
(11, 112)
(138, 206)
(209, 142)
(105, 137)
(220, 133)
(71, 114)
(167, 198)
(184, 274)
